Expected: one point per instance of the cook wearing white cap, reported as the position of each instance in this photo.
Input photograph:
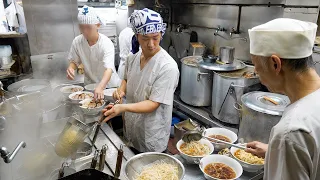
(95, 51)
(281, 51)
(150, 79)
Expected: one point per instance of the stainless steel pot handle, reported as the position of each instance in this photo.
(237, 106)
(200, 74)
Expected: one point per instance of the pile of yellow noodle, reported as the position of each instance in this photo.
(248, 157)
(195, 148)
(159, 171)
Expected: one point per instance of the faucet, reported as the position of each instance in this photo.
(7, 156)
(218, 29)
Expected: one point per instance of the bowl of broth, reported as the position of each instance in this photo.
(221, 134)
(218, 167)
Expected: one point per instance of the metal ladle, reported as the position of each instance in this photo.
(196, 136)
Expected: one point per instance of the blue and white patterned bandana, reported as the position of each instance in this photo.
(147, 21)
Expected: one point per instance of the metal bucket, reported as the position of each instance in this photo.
(228, 87)
(258, 116)
(196, 83)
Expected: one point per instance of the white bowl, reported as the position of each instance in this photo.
(80, 92)
(66, 89)
(91, 87)
(246, 166)
(194, 159)
(91, 111)
(221, 131)
(216, 158)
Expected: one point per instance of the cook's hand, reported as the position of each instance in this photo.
(98, 93)
(257, 148)
(112, 111)
(70, 73)
(118, 95)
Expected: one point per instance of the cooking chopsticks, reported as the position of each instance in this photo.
(270, 100)
(224, 142)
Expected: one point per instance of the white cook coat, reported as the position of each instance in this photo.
(157, 81)
(294, 145)
(125, 46)
(95, 59)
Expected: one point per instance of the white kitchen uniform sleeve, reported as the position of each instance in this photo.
(108, 55)
(164, 86)
(294, 145)
(290, 157)
(73, 54)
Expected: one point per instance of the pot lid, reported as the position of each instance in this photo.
(192, 60)
(247, 72)
(236, 65)
(265, 102)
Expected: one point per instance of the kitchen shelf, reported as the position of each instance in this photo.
(97, 4)
(12, 35)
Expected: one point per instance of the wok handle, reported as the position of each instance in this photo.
(119, 162)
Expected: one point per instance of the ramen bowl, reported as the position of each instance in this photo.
(68, 89)
(136, 164)
(91, 111)
(221, 131)
(194, 159)
(215, 158)
(71, 96)
(246, 166)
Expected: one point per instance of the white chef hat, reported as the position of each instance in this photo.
(286, 38)
(87, 15)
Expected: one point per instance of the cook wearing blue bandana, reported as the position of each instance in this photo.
(150, 79)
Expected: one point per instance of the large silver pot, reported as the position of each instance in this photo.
(30, 85)
(196, 82)
(259, 115)
(228, 87)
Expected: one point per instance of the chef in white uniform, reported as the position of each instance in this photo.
(281, 51)
(95, 51)
(125, 38)
(151, 77)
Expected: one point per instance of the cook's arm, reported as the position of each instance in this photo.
(146, 106)
(106, 78)
(73, 65)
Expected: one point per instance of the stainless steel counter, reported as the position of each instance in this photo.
(40, 130)
(202, 115)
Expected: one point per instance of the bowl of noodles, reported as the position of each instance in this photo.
(195, 150)
(153, 165)
(221, 134)
(248, 161)
(218, 167)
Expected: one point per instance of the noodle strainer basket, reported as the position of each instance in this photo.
(71, 137)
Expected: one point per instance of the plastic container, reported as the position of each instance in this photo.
(5, 50)
(174, 121)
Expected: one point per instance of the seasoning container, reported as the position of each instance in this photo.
(196, 49)
(259, 115)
